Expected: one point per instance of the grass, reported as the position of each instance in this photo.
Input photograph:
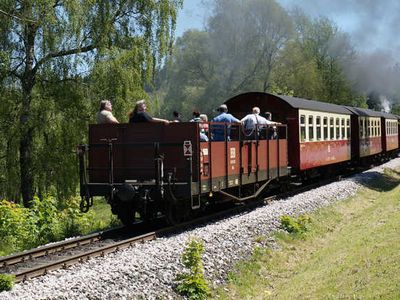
(351, 251)
(103, 214)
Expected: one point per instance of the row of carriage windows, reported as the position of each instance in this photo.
(317, 128)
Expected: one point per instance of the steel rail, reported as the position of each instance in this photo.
(41, 251)
(64, 263)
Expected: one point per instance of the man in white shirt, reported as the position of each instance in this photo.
(105, 115)
(253, 121)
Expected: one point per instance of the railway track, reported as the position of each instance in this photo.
(40, 261)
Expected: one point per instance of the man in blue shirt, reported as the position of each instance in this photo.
(218, 131)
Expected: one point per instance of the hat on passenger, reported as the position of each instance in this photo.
(222, 107)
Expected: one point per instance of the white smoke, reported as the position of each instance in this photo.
(385, 103)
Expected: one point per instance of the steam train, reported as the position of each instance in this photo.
(152, 170)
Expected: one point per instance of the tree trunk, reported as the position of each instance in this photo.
(26, 126)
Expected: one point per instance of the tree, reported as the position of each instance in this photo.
(55, 41)
(312, 63)
(246, 37)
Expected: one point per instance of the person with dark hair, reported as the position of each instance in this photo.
(177, 116)
(196, 116)
(218, 131)
(104, 115)
(140, 115)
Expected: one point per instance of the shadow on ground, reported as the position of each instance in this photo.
(380, 182)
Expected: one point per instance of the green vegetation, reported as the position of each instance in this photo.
(350, 250)
(23, 228)
(6, 282)
(297, 226)
(193, 284)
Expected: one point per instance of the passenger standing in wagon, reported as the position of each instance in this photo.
(253, 123)
(218, 131)
(105, 116)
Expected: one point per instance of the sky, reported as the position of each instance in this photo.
(373, 25)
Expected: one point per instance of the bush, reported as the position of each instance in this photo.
(193, 284)
(16, 228)
(6, 282)
(44, 214)
(73, 221)
(295, 226)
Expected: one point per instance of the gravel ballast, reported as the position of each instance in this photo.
(147, 271)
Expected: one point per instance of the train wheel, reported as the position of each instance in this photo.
(125, 213)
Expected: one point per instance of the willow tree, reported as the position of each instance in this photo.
(66, 38)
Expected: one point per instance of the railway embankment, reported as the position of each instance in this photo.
(149, 270)
(348, 250)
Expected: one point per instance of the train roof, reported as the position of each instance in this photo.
(371, 113)
(294, 102)
(314, 105)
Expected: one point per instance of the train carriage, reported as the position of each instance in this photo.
(391, 137)
(153, 169)
(319, 133)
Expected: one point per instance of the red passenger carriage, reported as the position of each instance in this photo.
(318, 133)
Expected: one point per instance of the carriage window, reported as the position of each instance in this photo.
(331, 129)
(310, 128)
(325, 137)
(302, 128)
(348, 128)
(318, 124)
(343, 128)
(337, 129)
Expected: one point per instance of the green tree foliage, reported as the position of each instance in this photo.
(55, 58)
(312, 64)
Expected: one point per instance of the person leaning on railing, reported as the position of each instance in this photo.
(140, 115)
